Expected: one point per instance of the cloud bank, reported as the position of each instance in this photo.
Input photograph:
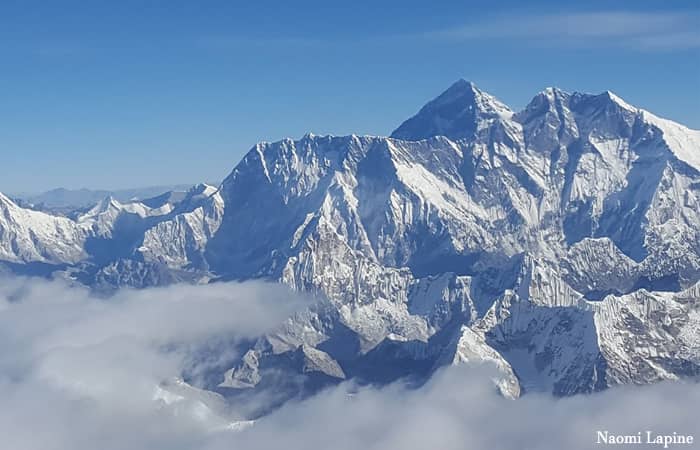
(79, 372)
(459, 409)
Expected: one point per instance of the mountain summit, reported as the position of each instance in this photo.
(456, 113)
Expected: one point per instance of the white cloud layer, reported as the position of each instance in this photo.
(459, 409)
(79, 373)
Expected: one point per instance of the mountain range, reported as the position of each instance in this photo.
(560, 243)
(67, 200)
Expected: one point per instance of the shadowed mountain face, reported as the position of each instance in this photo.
(458, 113)
(560, 243)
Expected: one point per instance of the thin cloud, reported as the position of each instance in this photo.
(661, 30)
(223, 42)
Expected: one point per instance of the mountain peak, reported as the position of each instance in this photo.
(561, 103)
(544, 101)
(619, 101)
(462, 85)
(553, 91)
(200, 190)
(5, 200)
(456, 113)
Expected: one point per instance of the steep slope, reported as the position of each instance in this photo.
(28, 236)
(615, 173)
(179, 242)
(457, 113)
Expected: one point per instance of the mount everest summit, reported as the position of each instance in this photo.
(560, 243)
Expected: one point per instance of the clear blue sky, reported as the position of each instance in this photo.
(115, 94)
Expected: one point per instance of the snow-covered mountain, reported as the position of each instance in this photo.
(66, 199)
(560, 242)
(91, 244)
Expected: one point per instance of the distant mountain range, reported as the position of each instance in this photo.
(560, 242)
(62, 199)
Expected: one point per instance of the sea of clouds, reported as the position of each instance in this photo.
(78, 371)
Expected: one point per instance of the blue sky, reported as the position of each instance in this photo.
(134, 93)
